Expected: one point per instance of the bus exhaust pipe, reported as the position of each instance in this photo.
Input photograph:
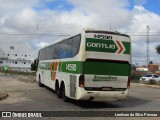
(91, 98)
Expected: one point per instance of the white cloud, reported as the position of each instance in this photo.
(140, 19)
(22, 17)
(42, 44)
(101, 13)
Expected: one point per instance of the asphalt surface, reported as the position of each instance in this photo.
(28, 96)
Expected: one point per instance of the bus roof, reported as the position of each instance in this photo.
(106, 32)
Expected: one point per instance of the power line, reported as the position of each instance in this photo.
(63, 34)
(32, 34)
(146, 35)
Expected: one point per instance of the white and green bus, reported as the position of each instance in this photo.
(92, 65)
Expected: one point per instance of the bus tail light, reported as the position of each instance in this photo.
(129, 80)
(81, 81)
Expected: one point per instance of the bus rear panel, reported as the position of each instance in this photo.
(106, 66)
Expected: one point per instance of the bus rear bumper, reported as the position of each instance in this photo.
(102, 95)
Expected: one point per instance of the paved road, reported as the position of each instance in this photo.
(25, 96)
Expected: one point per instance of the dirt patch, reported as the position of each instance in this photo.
(28, 79)
(3, 95)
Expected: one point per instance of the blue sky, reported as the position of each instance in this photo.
(150, 5)
(65, 5)
(61, 5)
(153, 6)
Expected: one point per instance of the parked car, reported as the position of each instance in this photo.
(149, 77)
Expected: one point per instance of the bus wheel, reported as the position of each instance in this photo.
(40, 84)
(64, 97)
(58, 91)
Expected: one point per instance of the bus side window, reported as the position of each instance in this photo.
(55, 52)
(76, 44)
(70, 48)
(63, 50)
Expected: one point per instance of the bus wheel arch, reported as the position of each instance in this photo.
(64, 97)
(39, 82)
(58, 89)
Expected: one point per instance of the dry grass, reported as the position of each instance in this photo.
(3, 95)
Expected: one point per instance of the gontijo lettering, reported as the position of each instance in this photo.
(101, 45)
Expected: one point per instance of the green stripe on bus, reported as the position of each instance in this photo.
(75, 67)
(96, 68)
(104, 68)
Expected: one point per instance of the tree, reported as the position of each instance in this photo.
(150, 62)
(34, 65)
(158, 49)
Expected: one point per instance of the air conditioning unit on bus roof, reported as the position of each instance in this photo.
(93, 29)
(117, 32)
(85, 29)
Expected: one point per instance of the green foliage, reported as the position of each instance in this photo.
(150, 62)
(33, 67)
(152, 82)
(135, 76)
(135, 80)
(18, 72)
(158, 49)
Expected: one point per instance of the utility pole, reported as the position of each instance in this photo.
(37, 27)
(147, 28)
(110, 27)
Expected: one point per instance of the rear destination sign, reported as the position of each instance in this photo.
(103, 37)
(107, 45)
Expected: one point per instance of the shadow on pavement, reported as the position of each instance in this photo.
(131, 102)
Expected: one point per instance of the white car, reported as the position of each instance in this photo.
(149, 77)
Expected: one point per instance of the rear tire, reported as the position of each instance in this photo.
(64, 97)
(39, 83)
(58, 91)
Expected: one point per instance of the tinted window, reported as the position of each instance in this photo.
(65, 49)
(156, 76)
(148, 75)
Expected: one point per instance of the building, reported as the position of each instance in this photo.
(17, 57)
(153, 67)
(141, 68)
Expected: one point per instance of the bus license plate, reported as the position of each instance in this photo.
(107, 88)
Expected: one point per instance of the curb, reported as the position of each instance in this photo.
(3, 95)
(146, 85)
